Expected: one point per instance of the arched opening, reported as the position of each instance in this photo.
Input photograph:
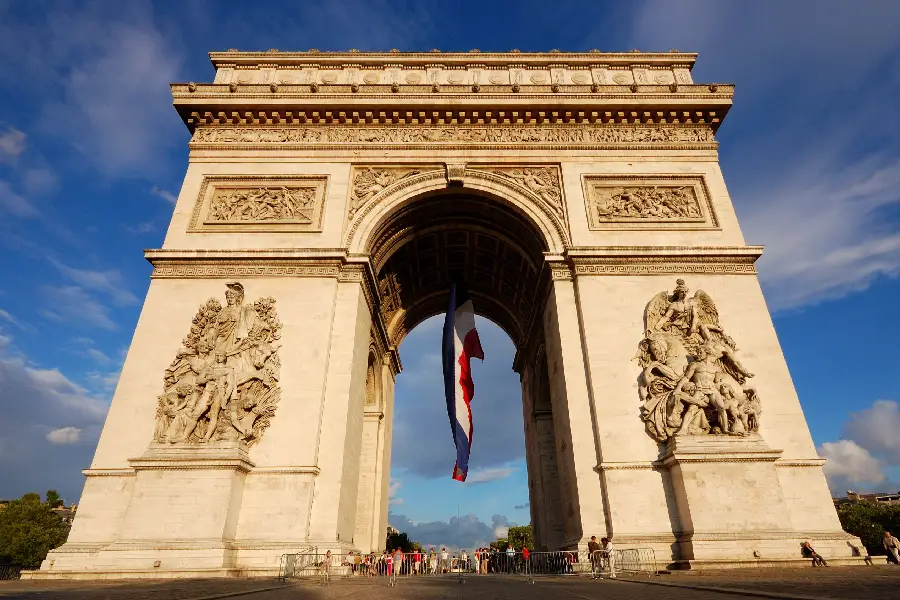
(498, 251)
(448, 235)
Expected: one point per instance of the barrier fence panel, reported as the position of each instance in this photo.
(321, 565)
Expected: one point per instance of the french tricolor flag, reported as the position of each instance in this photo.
(461, 344)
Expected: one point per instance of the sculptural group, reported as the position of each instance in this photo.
(692, 382)
(223, 384)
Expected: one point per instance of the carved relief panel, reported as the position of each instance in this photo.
(223, 383)
(291, 203)
(648, 202)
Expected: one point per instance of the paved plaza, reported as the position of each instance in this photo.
(833, 582)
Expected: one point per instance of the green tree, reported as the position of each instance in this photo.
(501, 544)
(868, 521)
(29, 529)
(520, 537)
(53, 499)
(400, 540)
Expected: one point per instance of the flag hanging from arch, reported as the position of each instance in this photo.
(461, 344)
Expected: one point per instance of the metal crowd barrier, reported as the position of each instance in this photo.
(317, 564)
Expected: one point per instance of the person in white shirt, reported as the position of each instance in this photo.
(445, 561)
(510, 557)
(609, 556)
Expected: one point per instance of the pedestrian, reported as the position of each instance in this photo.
(609, 556)
(445, 561)
(464, 561)
(526, 557)
(594, 553)
(433, 561)
(892, 546)
(398, 561)
(807, 551)
(417, 561)
(510, 558)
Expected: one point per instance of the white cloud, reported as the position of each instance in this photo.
(877, 429)
(489, 474)
(522, 506)
(12, 144)
(812, 174)
(37, 400)
(15, 204)
(66, 435)
(467, 531)
(392, 493)
(164, 194)
(71, 304)
(847, 461)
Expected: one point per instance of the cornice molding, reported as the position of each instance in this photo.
(395, 59)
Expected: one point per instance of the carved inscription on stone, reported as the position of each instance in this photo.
(368, 182)
(589, 135)
(674, 201)
(692, 381)
(543, 182)
(239, 203)
(223, 384)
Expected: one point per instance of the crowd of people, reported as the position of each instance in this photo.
(394, 562)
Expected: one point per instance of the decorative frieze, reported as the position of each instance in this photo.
(237, 203)
(648, 202)
(463, 136)
(368, 182)
(543, 182)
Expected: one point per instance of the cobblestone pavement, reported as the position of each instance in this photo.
(828, 583)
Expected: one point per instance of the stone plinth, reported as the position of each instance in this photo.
(730, 503)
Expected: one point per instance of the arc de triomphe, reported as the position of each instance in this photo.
(330, 197)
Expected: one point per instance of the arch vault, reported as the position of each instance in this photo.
(329, 200)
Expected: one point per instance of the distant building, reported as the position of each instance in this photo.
(876, 498)
(67, 514)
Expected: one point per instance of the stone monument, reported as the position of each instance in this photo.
(331, 197)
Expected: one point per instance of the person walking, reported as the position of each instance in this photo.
(892, 546)
(397, 560)
(445, 561)
(510, 559)
(526, 558)
(433, 561)
(594, 553)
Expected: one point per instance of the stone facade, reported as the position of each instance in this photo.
(346, 189)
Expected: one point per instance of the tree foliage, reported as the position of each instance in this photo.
(402, 541)
(29, 529)
(520, 537)
(868, 521)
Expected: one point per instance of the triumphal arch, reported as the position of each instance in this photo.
(329, 200)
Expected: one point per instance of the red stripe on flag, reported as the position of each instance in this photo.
(471, 349)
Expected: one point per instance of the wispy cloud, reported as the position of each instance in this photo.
(12, 144)
(813, 175)
(109, 282)
(393, 490)
(522, 506)
(71, 304)
(489, 474)
(164, 194)
(15, 204)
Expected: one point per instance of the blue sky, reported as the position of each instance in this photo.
(92, 154)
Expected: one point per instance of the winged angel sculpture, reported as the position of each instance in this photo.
(223, 385)
(692, 382)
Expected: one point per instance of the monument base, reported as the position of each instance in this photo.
(164, 534)
(746, 522)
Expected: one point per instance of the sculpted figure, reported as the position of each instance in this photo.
(223, 385)
(690, 366)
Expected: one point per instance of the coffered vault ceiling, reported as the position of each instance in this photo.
(448, 235)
